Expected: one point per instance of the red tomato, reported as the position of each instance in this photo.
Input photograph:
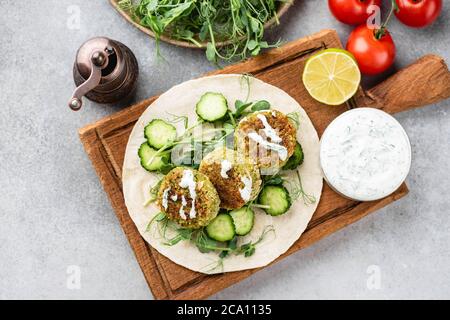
(373, 55)
(351, 12)
(418, 13)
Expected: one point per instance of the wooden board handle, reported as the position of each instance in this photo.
(424, 82)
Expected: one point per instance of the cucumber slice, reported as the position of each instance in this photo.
(147, 153)
(296, 159)
(243, 219)
(277, 198)
(221, 228)
(212, 107)
(159, 133)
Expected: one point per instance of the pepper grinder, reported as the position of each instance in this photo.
(105, 71)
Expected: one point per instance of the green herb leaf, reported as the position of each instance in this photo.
(240, 107)
(244, 20)
(210, 52)
(182, 235)
(256, 51)
(161, 216)
(167, 166)
(261, 105)
(255, 25)
(252, 44)
(152, 5)
(203, 32)
(174, 241)
(153, 193)
(297, 191)
(250, 251)
(274, 181)
(264, 45)
(294, 117)
(204, 243)
(233, 243)
(239, 23)
(186, 234)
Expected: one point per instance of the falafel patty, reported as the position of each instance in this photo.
(268, 137)
(188, 198)
(236, 179)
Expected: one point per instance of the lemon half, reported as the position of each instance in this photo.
(332, 76)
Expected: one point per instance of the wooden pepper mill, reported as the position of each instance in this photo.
(105, 71)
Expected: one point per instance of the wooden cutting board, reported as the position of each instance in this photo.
(424, 82)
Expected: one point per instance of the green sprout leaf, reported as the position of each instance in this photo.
(238, 23)
(261, 105)
(240, 108)
(264, 45)
(274, 181)
(152, 5)
(211, 52)
(252, 44)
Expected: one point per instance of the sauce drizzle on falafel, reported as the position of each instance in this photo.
(246, 192)
(165, 199)
(225, 166)
(187, 181)
(206, 204)
(281, 150)
(183, 205)
(267, 136)
(268, 130)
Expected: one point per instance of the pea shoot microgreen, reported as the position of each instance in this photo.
(238, 23)
(298, 191)
(294, 117)
(153, 193)
(172, 234)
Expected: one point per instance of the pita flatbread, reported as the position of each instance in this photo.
(288, 228)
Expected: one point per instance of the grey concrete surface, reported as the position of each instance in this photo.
(54, 213)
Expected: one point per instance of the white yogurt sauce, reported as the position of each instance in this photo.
(268, 130)
(174, 198)
(365, 154)
(281, 150)
(246, 192)
(165, 198)
(225, 166)
(187, 181)
(183, 205)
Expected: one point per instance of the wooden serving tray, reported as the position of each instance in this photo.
(424, 82)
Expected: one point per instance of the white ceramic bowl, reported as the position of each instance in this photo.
(365, 154)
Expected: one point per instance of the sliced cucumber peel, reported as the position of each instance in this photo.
(243, 219)
(212, 107)
(276, 199)
(160, 133)
(221, 228)
(150, 161)
(296, 159)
